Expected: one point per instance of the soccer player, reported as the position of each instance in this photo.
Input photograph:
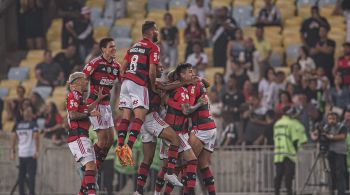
(78, 119)
(102, 72)
(153, 127)
(178, 109)
(203, 134)
(139, 72)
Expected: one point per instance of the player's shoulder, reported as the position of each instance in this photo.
(181, 90)
(74, 95)
(96, 60)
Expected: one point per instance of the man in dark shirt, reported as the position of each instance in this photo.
(222, 30)
(269, 15)
(49, 73)
(67, 59)
(169, 35)
(68, 10)
(310, 27)
(323, 52)
(232, 100)
(239, 74)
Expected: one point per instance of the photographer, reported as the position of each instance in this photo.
(332, 139)
(288, 134)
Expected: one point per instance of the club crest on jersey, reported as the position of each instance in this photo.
(88, 68)
(109, 70)
(115, 71)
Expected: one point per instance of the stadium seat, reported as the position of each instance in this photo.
(129, 22)
(323, 3)
(44, 91)
(211, 71)
(123, 43)
(276, 59)
(120, 32)
(95, 3)
(9, 83)
(242, 12)
(105, 22)
(59, 91)
(293, 22)
(221, 3)
(292, 52)
(29, 85)
(178, 14)
(157, 4)
(18, 73)
(100, 32)
(3, 92)
(8, 126)
(41, 123)
(249, 21)
(304, 12)
(301, 3)
(178, 3)
(35, 54)
(242, 2)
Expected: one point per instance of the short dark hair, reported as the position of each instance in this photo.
(147, 25)
(168, 14)
(104, 42)
(47, 51)
(346, 44)
(181, 67)
(316, 8)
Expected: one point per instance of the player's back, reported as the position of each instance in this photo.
(138, 58)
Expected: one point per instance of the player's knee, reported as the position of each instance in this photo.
(147, 160)
(91, 166)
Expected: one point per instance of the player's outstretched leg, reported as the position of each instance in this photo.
(88, 186)
(160, 181)
(122, 131)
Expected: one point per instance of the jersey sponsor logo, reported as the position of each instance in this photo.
(88, 68)
(137, 50)
(106, 82)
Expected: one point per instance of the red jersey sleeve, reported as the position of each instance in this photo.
(154, 55)
(90, 68)
(73, 101)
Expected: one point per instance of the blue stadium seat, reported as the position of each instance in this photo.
(156, 4)
(276, 60)
(44, 91)
(178, 3)
(96, 14)
(323, 3)
(306, 3)
(41, 123)
(293, 51)
(249, 21)
(107, 22)
(120, 32)
(3, 92)
(241, 13)
(123, 43)
(18, 73)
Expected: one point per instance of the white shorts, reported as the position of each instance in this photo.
(164, 146)
(105, 120)
(82, 150)
(208, 138)
(133, 95)
(152, 127)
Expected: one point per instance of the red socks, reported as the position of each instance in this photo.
(89, 182)
(134, 131)
(100, 154)
(142, 174)
(160, 179)
(122, 130)
(208, 180)
(191, 170)
(172, 158)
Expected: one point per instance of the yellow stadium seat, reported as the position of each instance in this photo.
(31, 63)
(29, 85)
(60, 101)
(211, 71)
(304, 11)
(221, 3)
(178, 13)
(291, 40)
(35, 54)
(242, 2)
(293, 22)
(59, 91)
(8, 126)
(9, 83)
(100, 32)
(209, 52)
(95, 3)
(286, 70)
(249, 32)
(55, 45)
(273, 30)
(274, 39)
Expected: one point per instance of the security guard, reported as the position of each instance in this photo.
(288, 134)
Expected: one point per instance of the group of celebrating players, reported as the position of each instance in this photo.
(187, 131)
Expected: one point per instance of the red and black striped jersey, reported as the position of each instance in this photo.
(101, 73)
(201, 118)
(139, 58)
(154, 100)
(77, 128)
(174, 116)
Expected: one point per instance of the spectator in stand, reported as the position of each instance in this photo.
(257, 122)
(67, 59)
(252, 62)
(248, 91)
(32, 12)
(95, 51)
(314, 95)
(216, 107)
(284, 99)
(235, 47)
(307, 64)
(311, 26)
(222, 30)
(295, 74)
(38, 104)
(239, 74)
(232, 100)
(25, 134)
(193, 33)
(343, 8)
(49, 73)
(12, 107)
(343, 65)
(267, 88)
(54, 124)
(263, 47)
(323, 52)
(219, 85)
(169, 36)
(201, 11)
(269, 15)
(321, 78)
(198, 59)
(290, 89)
(82, 32)
(340, 94)
(68, 10)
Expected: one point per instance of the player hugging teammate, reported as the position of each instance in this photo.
(141, 97)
